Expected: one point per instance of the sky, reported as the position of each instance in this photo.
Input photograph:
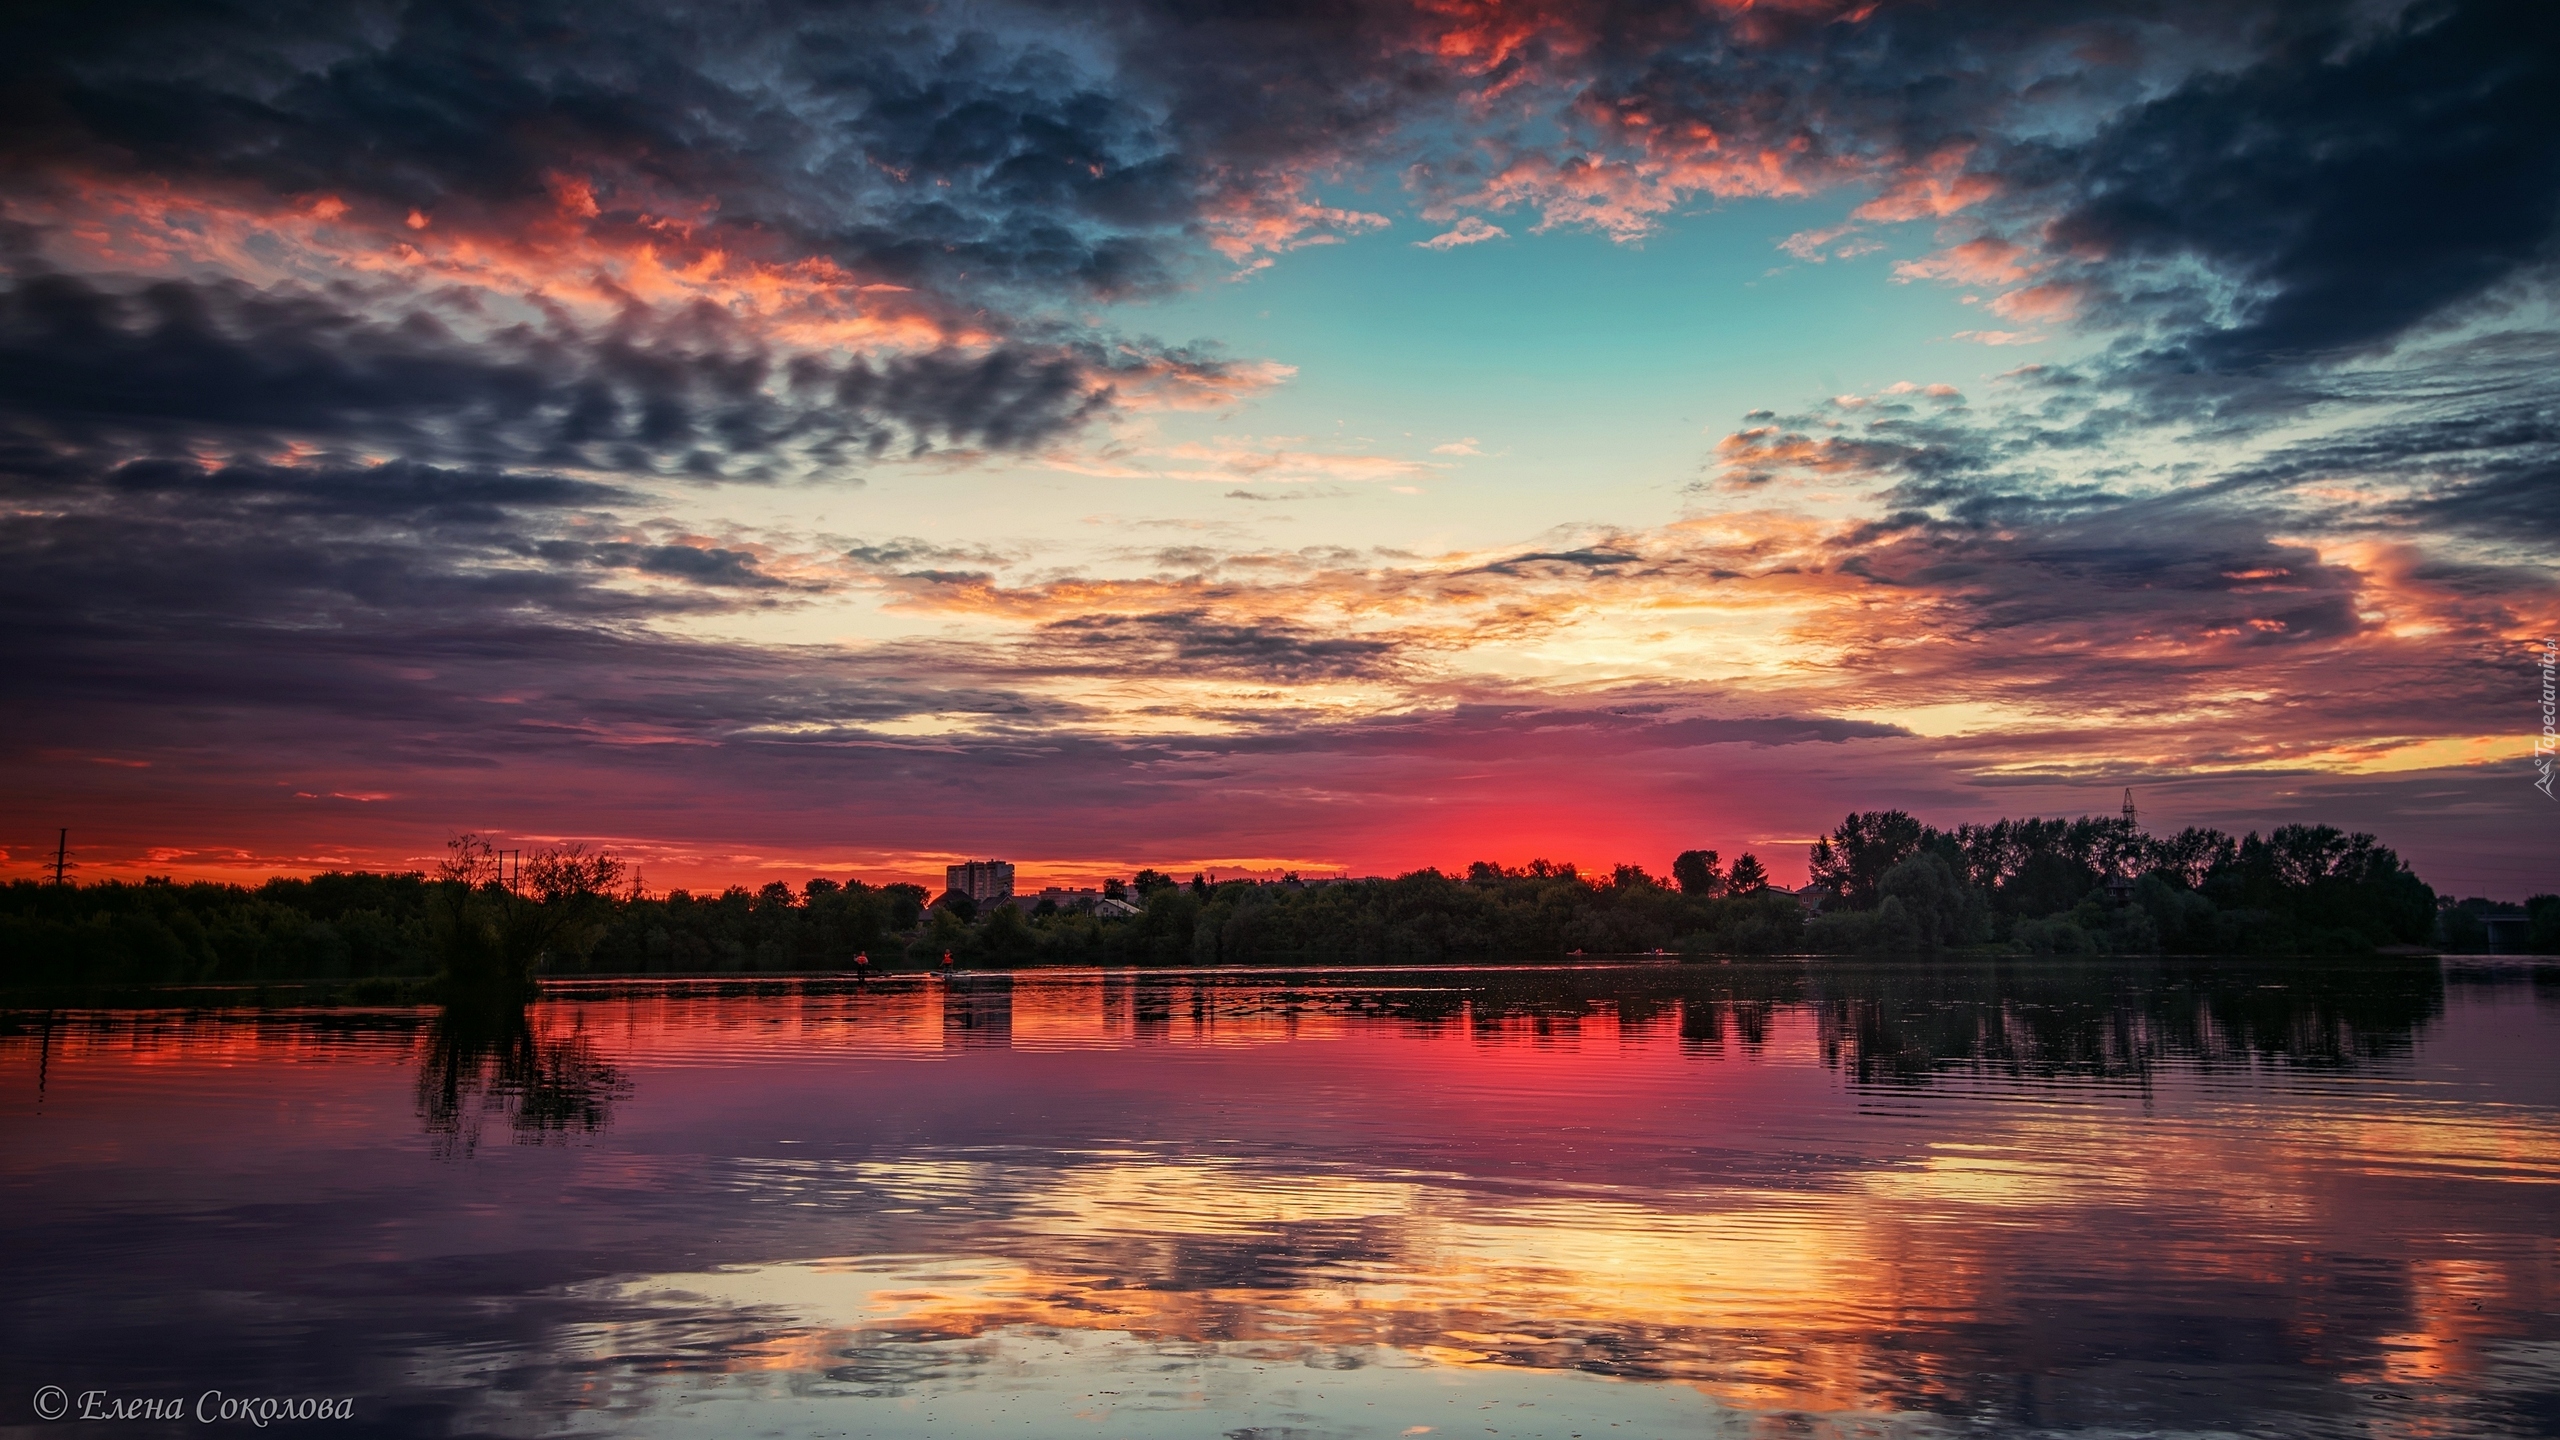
(772, 439)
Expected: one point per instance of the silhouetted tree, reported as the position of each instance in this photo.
(1943, 908)
(906, 904)
(1747, 878)
(2048, 880)
(1697, 873)
(495, 930)
(2324, 882)
(1853, 858)
(2192, 854)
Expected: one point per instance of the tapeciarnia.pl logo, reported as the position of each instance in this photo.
(2546, 743)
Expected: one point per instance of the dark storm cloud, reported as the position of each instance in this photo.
(161, 588)
(2512, 503)
(870, 211)
(1855, 83)
(1590, 560)
(699, 565)
(1940, 456)
(1028, 154)
(153, 597)
(2459, 440)
(2475, 453)
(797, 119)
(2245, 189)
(2350, 187)
(2068, 549)
(293, 546)
(1529, 731)
(2101, 573)
(1018, 147)
(397, 490)
(400, 603)
(907, 551)
(177, 354)
(695, 391)
(1194, 642)
(1661, 106)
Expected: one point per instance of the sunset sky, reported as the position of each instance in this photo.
(775, 439)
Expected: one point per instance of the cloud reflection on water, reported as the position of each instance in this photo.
(1906, 1198)
(1861, 1285)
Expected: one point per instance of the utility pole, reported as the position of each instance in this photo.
(61, 852)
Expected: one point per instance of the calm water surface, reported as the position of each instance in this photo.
(2101, 1198)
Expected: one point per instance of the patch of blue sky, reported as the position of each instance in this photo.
(1593, 376)
(1530, 382)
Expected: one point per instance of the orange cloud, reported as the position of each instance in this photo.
(1627, 198)
(1933, 188)
(1988, 261)
(1275, 217)
(1143, 381)
(2053, 301)
(564, 255)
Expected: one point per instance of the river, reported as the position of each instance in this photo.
(1786, 1198)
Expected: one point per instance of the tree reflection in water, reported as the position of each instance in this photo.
(2091, 1020)
(1895, 1023)
(1904, 1021)
(485, 1060)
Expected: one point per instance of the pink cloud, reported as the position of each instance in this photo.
(2053, 301)
(1936, 187)
(1471, 230)
(1987, 261)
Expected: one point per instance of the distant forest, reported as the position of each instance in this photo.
(1884, 884)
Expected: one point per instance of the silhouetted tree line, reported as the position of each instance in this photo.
(1492, 912)
(1539, 909)
(823, 925)
(329, 927)
(2103, 886)
(2462, 926)
(482, 925)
